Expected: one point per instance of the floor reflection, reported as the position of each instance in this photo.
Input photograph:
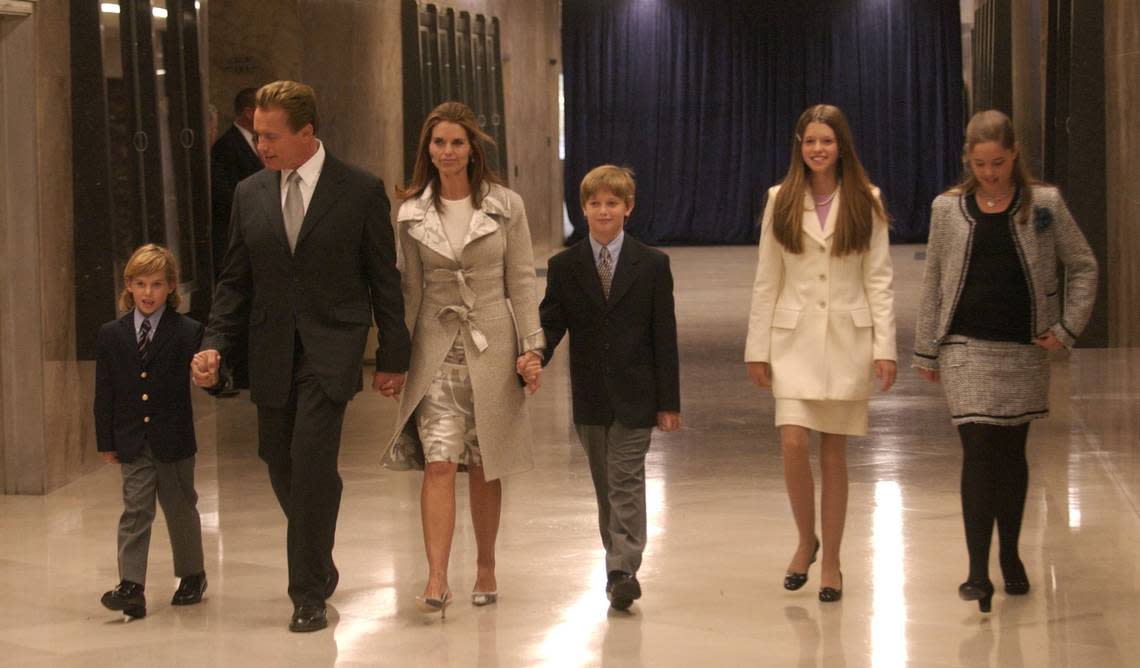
(720, 534)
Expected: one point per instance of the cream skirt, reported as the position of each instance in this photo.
(828, 416)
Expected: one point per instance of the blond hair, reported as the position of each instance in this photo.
(992, 125)
(617, 180)
(298, 101)
(147, 260)
(857, 202)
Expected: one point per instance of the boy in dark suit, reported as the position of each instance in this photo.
(143, 421)
(615, 297)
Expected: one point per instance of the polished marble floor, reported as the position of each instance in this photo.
(720, 537)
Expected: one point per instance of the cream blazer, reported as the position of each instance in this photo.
(820, 320)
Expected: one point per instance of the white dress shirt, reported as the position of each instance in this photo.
(309, 172)
(248, 137)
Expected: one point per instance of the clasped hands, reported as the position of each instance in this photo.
(529, 366)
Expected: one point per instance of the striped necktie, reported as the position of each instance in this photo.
(144, 339)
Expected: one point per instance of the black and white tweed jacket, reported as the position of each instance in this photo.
(1049, 235)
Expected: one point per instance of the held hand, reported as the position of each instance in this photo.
(929, 374)
(668, 420)
(204, 368)
(529, 366)
(886, 370)
(1049, 342)
(389, 384)
(760, 373)
(110, 457)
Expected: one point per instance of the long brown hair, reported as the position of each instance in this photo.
(992, 125)
(858, 204)
(425, 174)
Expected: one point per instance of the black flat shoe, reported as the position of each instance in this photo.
(981, 591)
(126, 598)
(308, 618)
(831, 594)
(190, 590)
(622, 589)
(793, 580)
(331, 581)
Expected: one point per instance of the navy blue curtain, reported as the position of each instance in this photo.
(701, 99)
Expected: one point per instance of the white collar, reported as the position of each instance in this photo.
(310, 171)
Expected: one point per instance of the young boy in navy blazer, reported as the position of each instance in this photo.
(143, 421)
(614, 295)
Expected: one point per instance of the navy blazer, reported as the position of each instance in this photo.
(623, 351)
(137, 405)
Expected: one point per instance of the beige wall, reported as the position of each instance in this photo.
(350, 51)
(1122, 109)
(47, 431)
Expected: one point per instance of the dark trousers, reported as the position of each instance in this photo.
(300, 442)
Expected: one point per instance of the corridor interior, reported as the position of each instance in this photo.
(720, 536)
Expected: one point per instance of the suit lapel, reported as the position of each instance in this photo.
(587, 273)
(127, 323)
(625, 270)
(329, 186)
(271, 201)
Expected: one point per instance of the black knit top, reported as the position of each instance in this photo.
(994, 304)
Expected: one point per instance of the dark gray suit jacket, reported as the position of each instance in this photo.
(623, 351)
(342, 277)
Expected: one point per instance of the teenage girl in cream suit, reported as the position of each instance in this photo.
(822, 321)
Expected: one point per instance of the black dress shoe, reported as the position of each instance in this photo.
(190, 590)
(126, 598)
(831, 594)
(622, 589)
(331, 581)
(308, 618)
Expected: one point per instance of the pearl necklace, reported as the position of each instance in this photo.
(826, 200)
(992, 200)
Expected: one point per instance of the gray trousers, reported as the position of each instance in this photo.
(617, 464)
(173, 484)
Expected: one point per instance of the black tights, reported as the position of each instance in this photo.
(995, 477)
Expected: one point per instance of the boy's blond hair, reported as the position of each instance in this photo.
(146, 260)
(617, 180)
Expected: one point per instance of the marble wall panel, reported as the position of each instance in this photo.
(250, 44)
(1122, 110)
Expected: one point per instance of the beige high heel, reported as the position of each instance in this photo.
(481, 598)
(429, 605)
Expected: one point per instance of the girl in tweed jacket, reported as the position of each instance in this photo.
(990, 312)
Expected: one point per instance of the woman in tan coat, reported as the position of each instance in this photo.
(822, 321)
(472, 311)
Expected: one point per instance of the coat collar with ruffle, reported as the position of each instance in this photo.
(425, 226)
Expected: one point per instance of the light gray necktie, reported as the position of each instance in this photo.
(294, 211)
(606, 270)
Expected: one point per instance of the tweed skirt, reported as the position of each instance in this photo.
(826, 416)
(995, 382)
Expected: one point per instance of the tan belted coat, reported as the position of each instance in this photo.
(445, 294)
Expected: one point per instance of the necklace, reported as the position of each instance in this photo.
(992, 200)
(825, 200)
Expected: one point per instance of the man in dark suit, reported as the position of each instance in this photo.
(311, 262)
(232, 159)
(615, 297)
